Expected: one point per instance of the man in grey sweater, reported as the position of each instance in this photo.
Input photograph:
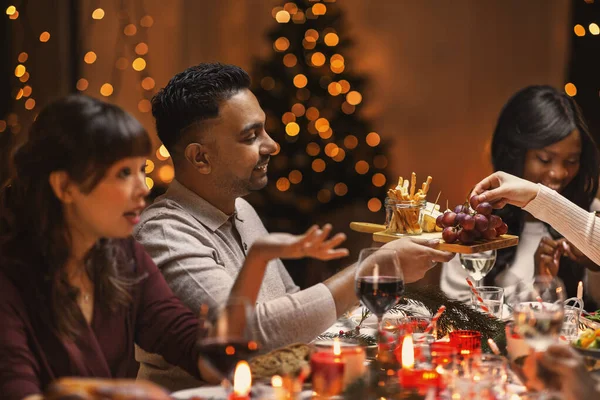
(198, 233)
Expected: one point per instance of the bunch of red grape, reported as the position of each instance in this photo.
(466, 225)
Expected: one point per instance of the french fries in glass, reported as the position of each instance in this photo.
(404, 205)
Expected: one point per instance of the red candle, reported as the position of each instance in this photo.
(328, 371)
(466, 342)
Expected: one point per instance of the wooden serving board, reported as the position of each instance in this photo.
(380, 235)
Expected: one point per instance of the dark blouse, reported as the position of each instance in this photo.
(31, 358)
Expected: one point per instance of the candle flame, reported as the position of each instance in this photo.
(337, 350)
(408, 352)
(242, 379)
(276, 381)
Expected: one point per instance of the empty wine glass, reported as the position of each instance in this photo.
(231, 339)
(478, 264)
(379, 281)
(538, 310)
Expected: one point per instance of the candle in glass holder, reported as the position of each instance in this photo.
(407, 377)
(354, 357)
(466, 342)
(328, 371)
(242, 382)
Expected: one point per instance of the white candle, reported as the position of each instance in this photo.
(580, 290)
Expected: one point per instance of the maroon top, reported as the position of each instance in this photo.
(156, 320)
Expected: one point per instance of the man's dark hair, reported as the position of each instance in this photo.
(193, 96)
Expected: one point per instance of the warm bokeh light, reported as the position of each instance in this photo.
(326, 134)
(337, 69)
(340, 189)
(300, 81)
(295, 177)
(292, 129)
(331, 149)
(298, 110)
(334, 88)
(318, 59)
(283, 184)
(149, 166)
(20, 70)
(19, 94)
(308, 45)
(570, 89)
(289, 60)
(362, 167)
(313, 149)
(374, 204)
(166, 173)
(30, 104)
(147, 21)
(291, 8)
(336, 61)
(283, 17)
(82, 84)
(319, 9)
(347, 108)
(141, 49)
(90, 57)
(324, 196)
(373, 139)
(106, 89)
(594, 29)
(350, 142)
(340, 156)
(353, 98)
(378, 179)
(130, 30)
(164, 153)
(579, 30)
(44, 37)
(98, 13)
(345, 85)
(322, 125)
(318, 165)
(10, 10)
(312, 113)
(281, 44)
(139, 64)
(331, 39)
(149, 182)
(145, 106)
(299, 17)
(23, 57)
(121, 63)
(311, 35)
(148, 83)
(288, 117)
(380, 162)
(267, 83)
(27, 91)
(13, 17)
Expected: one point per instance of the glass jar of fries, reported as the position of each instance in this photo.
(404, 217)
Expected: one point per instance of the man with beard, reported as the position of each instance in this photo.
(199, 232)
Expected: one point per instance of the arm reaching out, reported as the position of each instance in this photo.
(501, 189)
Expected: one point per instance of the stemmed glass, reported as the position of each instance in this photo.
(478, 264)
(230, 340)
(538, 310)
(379, 281)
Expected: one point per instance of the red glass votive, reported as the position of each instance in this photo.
(466, 342)
(442, 353)
(327, 373)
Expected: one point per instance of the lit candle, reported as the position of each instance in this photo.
(406, 374)
(354, 359)
(278, 390)
(242, 382)
(580, 290)
(328, 371)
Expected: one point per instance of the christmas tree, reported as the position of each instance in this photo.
(328, 157)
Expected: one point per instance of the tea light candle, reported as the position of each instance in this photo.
(354, 357)
(328, 371)
(279, 391)
(242, 382)
(406, 375)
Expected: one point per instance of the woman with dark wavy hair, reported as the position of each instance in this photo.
(76, 291)
(541, 137)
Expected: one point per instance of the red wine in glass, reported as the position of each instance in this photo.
(379, 293)
(222, 354)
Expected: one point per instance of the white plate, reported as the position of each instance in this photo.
(207, 392)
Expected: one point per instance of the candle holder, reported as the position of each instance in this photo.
(327, 373)
(466, 342)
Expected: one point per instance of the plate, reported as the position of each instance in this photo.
(259, 391)
(593, 353)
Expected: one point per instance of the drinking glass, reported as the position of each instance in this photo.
(231, 339)
(478, 264)
(493, 299)
(379, 281)
(538, 310)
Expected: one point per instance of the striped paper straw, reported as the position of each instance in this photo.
(435, 318)
(479, 298)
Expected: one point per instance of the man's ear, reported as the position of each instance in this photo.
(197, 155)
(61, 185)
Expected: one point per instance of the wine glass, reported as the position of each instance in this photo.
(230, 340)
(478, 264)
(538, 310)
(379, 281)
